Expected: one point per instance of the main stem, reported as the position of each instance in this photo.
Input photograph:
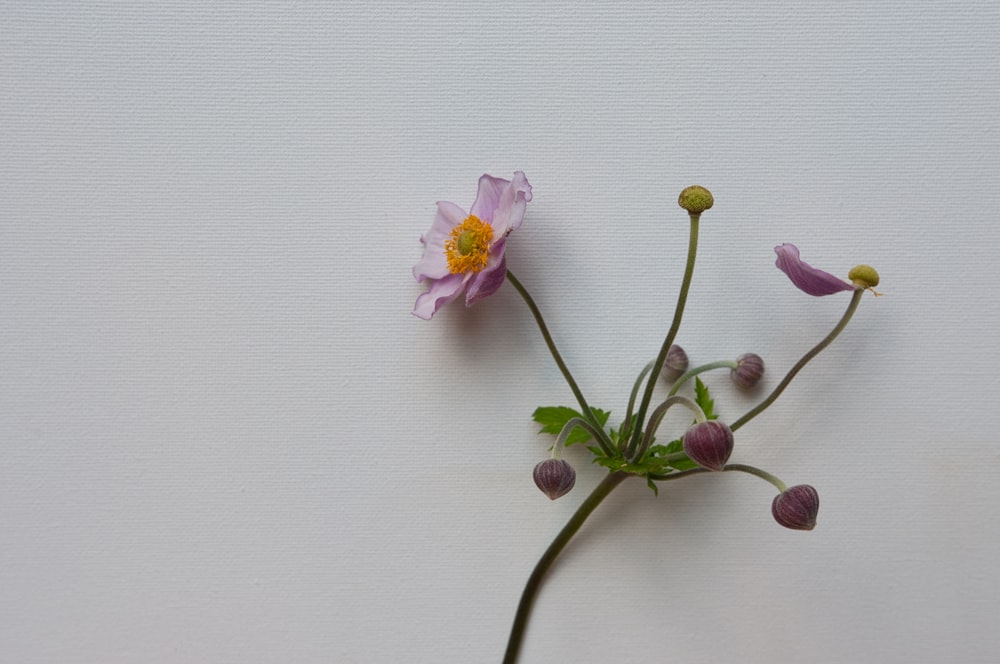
(813, 352)
(601, 492)
(671, 334)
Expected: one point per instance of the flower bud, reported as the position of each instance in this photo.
(864, 276)
(676, 363)
(749, 371)
(796, 507)
(554, 477)
(695, 199)
(709, 444)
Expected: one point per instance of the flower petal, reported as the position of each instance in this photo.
(434, 264)
(805, 277)
(510, 210)
(491, 278)
(501, 203)
(440, 293)
(488, 197)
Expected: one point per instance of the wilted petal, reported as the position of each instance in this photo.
(485, 283)
(510, 210)
(805, 277)
(441, 292)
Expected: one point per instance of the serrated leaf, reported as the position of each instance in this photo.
(554, 418)
(674, 446)
(704, 399)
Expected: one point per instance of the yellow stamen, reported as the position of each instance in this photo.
(468, 248)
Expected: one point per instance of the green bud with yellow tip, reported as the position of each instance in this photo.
(695, 199)
(864, 276)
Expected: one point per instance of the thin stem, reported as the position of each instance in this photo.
(737, 467)
(813, 352)
(627, 423)
(543, 328)
(691, 373)
(601, 492)
(567, 429)
(672, 332)
(666, 477)
(657, 416)
(763, 474)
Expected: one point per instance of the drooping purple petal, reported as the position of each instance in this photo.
(510, 211)
(501, 203)
(490, 279)
(805, 277)
(433, 263)
(441, 292)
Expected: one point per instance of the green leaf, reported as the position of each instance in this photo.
(652, 485)
(673, 447)
(554, 418)
(704, 399)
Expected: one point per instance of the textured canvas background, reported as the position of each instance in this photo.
(223, 438)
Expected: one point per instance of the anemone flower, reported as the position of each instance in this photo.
(465, 252)
(805, 277)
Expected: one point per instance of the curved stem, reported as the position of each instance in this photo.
(657, 416)
(567, 429)
(601, 492)
(737, 467)
(762, 474)
(543, 328)
(691, 373)
(672, 332)
(813, 352)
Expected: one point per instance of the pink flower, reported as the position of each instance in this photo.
(465, 252)
(805, 277)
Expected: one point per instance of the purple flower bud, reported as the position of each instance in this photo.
(749, 371)
(676, 363)
(554, 477)
(796, 507)
(805, 277)
(709, 444)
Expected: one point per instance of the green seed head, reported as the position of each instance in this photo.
(864, 276)
(695, 199)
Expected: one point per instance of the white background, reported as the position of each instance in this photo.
(225, 438)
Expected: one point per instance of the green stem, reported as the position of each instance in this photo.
(654, 423)
(851, 308)
(737, 467)
(568, 428)
(543, 328)
(627, 423)
(763, 474)
(691, 373)
(672, 332)
(601, 492)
